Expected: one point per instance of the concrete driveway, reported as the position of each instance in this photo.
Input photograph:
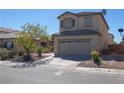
(69, 60)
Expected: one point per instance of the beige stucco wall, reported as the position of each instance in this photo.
(94, 41)
(97, 25)
(2, 32)
(98, 42)
(5, 40)
(106, 38)
(68, 16)
(17, 48)
(109, 39)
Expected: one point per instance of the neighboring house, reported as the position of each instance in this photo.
(81, 33)
(6, 30)
(8, 37)
(7, 40)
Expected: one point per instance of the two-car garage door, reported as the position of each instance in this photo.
(74, 47)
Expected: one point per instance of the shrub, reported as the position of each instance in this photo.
(12, 53)
(27, 58)
(3, 53)
(96, 57)
(39, 51)
(20, 53)
(47, 49)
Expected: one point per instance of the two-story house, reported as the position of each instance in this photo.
(81, 33)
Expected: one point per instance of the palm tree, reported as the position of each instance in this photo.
(121, 30)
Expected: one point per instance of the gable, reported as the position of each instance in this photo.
(69, 13)
(84, 14)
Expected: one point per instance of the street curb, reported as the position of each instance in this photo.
(9, 63)
(87, 69)
(101, 70)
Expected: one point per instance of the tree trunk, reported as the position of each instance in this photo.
(27, 57)
(28, 52)
(40, 54)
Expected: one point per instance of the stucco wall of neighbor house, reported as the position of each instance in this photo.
(17, 48)
(3, 32)
(94, 41)
(6, 40)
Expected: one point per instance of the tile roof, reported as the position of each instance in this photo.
(86, 13)
(2, 29)
(79, 32)
(8, 35)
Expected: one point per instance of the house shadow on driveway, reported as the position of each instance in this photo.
(75, 58)
(114, 57)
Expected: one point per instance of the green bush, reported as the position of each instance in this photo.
(3, 54)
(39, 51)
(12, 53)
(96, 57)
(47, 49)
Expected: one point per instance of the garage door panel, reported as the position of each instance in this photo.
(74, 47)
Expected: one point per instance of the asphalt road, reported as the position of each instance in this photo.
(54, 75)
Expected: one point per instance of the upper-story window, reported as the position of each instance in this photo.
(67, 23)
(87, 21)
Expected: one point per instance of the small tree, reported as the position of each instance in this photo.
(39, 51)
(114, 43)
(27, 38)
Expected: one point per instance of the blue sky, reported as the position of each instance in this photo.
(14, 18)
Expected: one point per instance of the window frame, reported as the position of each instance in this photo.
(88, 21)
(65, 21)
(9, 44)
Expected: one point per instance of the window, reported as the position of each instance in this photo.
(61, 23)
(8, 44)
(77, 41)
(67, 41)
(62, 41)
(87, 21)
(44, 44)
(67, 23)
(70, 41)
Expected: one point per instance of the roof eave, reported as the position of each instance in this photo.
(65, 13)
(104, 20)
